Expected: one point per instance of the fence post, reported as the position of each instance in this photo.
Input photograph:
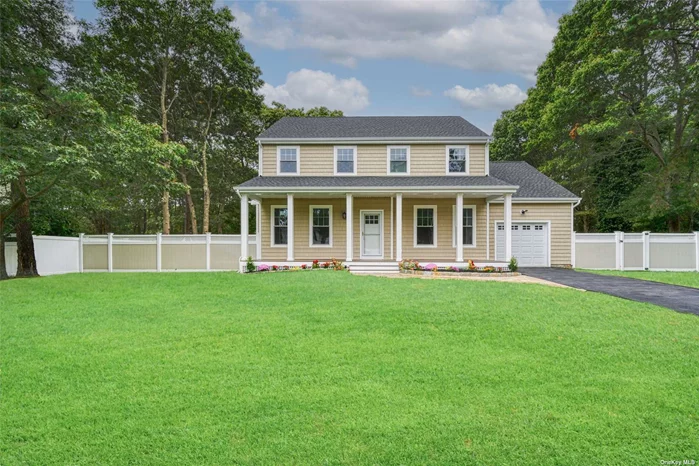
(622, 248)
(208, 251)
(110, 238)
(81, 240)
(159, 252)
(646, 250)
(617, 248)
(572, 250)
(696, 250)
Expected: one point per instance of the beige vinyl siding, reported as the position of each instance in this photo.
(445, 250)
(302, 249)
(372, 203)
(425, 159)
(559, 215)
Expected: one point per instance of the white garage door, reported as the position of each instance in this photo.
(529, 243)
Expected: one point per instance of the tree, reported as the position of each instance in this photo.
(190, 75)
(618, 91)
(53, 134)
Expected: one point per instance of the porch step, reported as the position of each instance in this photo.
(373, 267)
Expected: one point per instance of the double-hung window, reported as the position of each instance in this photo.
(280, 224)
(425, 226)
(469, 226)
(398, 160)
(288, 160)
(321, 225)
(457, 160)
(345, 160)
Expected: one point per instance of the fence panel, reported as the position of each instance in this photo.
(637, 251)
(54, 255)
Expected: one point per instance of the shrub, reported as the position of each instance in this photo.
(316, 264)
(471, 265)
(250, 265)
(409, 264)
(263, 268)
(337, 265)
(513, 264)
(431, 267)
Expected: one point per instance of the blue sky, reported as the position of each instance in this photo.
(396, 57)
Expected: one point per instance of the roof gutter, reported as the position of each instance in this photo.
(375, 140)
(379, 189)
(543, 200)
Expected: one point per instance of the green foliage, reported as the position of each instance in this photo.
(250, 265)
(513, 266)
(227, 368)
(613, 115)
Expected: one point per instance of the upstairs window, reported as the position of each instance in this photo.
(425, 226)
(345, 160)
(457, 160)
(321, 226)
(288, 160)
(398, 160)
(279, 226)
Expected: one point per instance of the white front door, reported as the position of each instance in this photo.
(372, 226)
(529, 243)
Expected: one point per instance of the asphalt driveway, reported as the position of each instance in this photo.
(678, 298)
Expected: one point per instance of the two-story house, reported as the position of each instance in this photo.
(375, 190)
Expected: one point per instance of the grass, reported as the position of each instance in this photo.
(690, 279)
(328, 368)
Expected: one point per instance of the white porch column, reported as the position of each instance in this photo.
(349, 209)
(459, 227)
(399, 227)
(258, 230)
(244, 227)
(289, 227)
(508, 227)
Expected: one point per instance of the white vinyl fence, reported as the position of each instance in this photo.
(54, 255)
(637, 251)
(132, 253)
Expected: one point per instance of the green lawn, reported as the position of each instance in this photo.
(690, 279)
(329, 368)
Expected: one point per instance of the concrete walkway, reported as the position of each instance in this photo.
(678, 298)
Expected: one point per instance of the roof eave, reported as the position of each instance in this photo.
(380, 189)
(543, 200)
(391, 140)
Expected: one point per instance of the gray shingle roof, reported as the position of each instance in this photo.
(371, 181)
(378, 127)
(532, 183)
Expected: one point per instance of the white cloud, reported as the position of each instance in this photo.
(474, 35)
(312, 88)
(420, 92)
(489, 97)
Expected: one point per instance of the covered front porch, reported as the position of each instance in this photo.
(377, 230)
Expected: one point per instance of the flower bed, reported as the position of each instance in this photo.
(410, 266)
(333, 264)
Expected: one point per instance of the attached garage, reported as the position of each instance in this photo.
(530, 243)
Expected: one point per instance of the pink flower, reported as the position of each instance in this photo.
(431, 267)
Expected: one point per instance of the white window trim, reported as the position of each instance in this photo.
(310, 226)
(388, 161)
(354, 160)
(271, 226)
(298, 160)
(468, 159)
(435, 220)
(453, 228)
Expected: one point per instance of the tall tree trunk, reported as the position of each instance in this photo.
(26, 258)
(190, 204)
(3, 265)
(166, 139)
(205, 175)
